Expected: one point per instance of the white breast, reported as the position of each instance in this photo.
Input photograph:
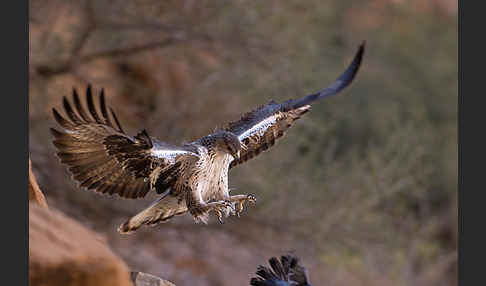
(216, 185)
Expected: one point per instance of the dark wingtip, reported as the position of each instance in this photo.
(342, 82)
(363, 44)
(91, 106)
(348, 75)
(79, 107)
(356, 63)
(61, 120)
(56, 133)
(116, 121)
(104, 111)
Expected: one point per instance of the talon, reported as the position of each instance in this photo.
(230, 205)
(240, 207)
(251, 198)
(238, 203)
(220, 217)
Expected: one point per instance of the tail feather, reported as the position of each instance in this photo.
(162, 210)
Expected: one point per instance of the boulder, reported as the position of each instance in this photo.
(63, 252)
(144, 279)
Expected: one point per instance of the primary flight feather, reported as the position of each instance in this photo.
(192, 177)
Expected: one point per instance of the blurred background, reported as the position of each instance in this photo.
(363, 189)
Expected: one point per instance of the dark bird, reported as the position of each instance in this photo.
(284, 272)
(192, 177)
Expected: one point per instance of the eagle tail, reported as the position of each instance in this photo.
(162, 210)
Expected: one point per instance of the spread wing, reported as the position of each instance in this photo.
(260, 128)
(102, 157)
(286, 272)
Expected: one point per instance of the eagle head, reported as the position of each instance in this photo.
(229, 143)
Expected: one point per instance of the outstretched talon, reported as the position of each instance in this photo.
(250, 198)
(220, 208)
(240, 200)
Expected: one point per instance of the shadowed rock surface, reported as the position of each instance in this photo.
(63, 252)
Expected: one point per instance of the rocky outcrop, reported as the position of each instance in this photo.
(144, 279)
(35, 194)
(63, 252)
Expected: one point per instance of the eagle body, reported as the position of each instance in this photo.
(198, 181)
(190, 178)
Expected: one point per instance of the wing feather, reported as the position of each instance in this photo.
(286, 271)
(79, 107)
(104, 112)
(102, 157)
(260, 128)
(74, 118)
(61, 121)
(91, 106)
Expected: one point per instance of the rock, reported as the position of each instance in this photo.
(144, 279)
(63, 252)
(35, 194)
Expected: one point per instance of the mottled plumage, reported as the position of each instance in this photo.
(192, 177)
(286, 272)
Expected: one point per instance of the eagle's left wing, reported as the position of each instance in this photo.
(259, 128)
(103, 158)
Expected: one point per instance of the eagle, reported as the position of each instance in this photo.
(190, 177)
(284, 272)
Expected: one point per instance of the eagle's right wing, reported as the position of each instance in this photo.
(262, 127)
(103, 158)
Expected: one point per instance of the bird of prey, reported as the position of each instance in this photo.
(191, 177)
(286, 272)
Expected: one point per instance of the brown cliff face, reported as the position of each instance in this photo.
(63, 252)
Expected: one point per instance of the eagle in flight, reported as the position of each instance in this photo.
(192, 177)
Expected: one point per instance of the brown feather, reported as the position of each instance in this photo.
(69, 144)
(104, 112)
(82, 147)
(70, 112)
(91, 106)
(116, 121)
(61, 120)
(79, 107)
